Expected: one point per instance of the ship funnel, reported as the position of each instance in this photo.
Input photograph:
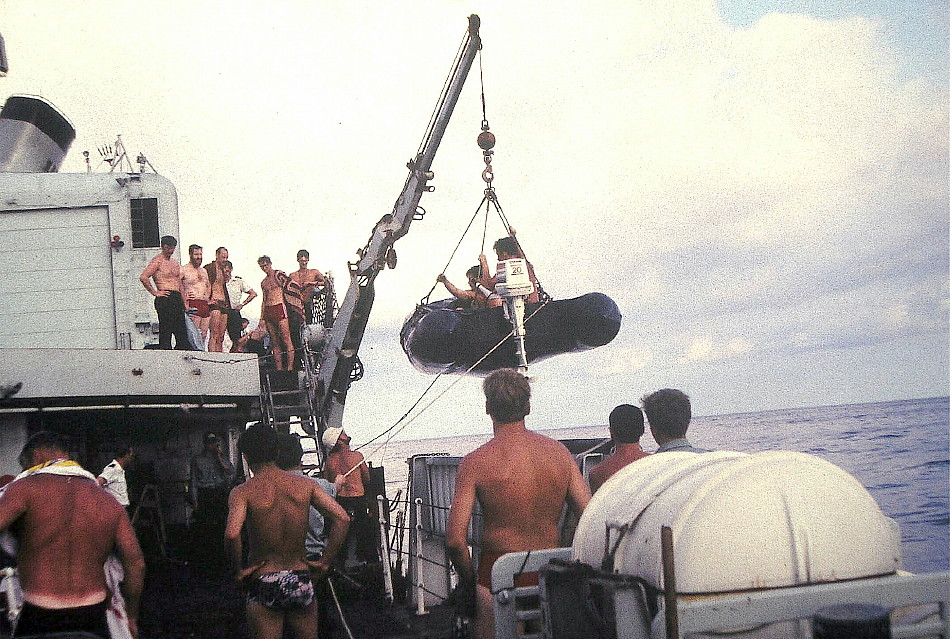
(34, 136)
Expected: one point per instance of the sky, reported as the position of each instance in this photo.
(761, 186)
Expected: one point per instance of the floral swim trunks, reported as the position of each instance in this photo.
(282, 591)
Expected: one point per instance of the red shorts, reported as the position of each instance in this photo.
(273, 313)
(201, 306)
(485, 563)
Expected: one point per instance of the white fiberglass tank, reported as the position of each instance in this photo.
(739, 521)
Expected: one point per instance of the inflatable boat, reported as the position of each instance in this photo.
(442, 338)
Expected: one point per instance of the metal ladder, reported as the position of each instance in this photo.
(287, 397)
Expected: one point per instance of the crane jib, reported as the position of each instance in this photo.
(339, 354)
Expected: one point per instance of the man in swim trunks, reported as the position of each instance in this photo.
(166, 272)
(196, 287)
(521, 479)
(274, 316)
(307, 279)
(275, 506)
(219, 304)
(66, 527)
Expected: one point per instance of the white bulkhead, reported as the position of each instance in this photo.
(67, 282)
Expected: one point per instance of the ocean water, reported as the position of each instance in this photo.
(900, 451)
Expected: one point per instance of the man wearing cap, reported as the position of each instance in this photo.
(350, 465)
(165, 270)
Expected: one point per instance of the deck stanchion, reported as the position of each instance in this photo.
(13, 596)
(669, 583)
(420, 585)
(384, 548)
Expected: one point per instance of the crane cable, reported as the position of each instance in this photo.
(486, 142)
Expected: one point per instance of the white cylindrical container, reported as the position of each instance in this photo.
(740, 522)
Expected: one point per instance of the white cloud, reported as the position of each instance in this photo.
(706, 349)
(738, 191)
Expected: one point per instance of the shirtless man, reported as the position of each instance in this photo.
(307, 279)
(507, 248)
(626, 429)
(274, 315)
(66, 527)
(275, 505)
(521, 479)
(477, 296)
(351, 468)
(219, 306)
(166, 272)
(196, 288)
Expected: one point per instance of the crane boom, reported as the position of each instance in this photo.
(339, 355)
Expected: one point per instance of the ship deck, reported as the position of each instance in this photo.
(185, 600)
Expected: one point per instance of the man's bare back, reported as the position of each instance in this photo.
(277, 510)
(67, 528)
(522, 480)
(275, 506)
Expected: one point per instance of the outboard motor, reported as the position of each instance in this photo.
(34, 136)
(514, 285)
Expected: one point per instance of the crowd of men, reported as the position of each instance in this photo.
(212, 297)
(284, 530)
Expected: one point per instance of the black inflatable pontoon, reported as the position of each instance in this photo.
(438, 337)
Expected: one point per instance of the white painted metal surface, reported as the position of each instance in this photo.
(69, 375)
(514, 606)
(56, 279)
(62, 283)
(740, 522)
(919, 605)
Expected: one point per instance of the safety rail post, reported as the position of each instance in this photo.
(420, 585)
(11, 592)
(384, 548)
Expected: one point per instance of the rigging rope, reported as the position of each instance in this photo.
(425, 300)
(391, 430)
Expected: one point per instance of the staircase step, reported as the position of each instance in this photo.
(291, 411)
(286, 393)
(283, 381)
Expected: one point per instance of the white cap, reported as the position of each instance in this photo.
(330, 436)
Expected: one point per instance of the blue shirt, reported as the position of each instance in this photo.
(316, 535)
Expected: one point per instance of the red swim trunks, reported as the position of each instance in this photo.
(487, 559)
(273, 313)
(201, 306)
